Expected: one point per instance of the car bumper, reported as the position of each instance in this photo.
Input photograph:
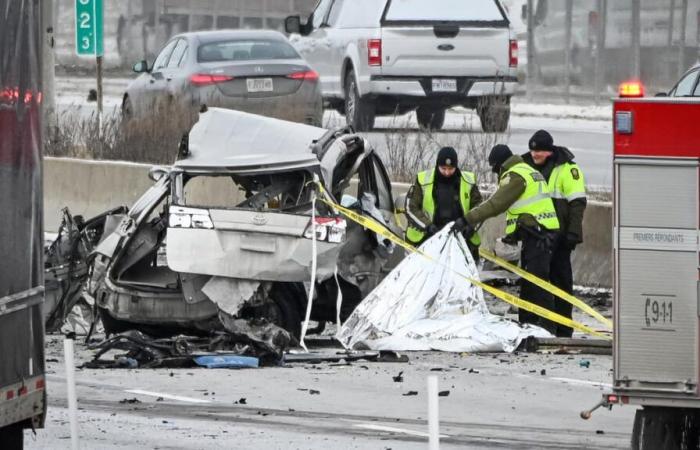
(422, 87)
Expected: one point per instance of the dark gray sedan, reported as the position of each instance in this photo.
(253, 71)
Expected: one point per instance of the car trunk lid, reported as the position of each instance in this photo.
(254, 245)
(258, 79)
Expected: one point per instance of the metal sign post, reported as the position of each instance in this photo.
(89, 39)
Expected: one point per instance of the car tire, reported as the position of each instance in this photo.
(127, 109)
(430, 118)
(359, 111)
(12, 437)
(285, 297)
(494, 114)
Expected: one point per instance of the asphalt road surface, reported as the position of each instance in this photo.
(495, 401)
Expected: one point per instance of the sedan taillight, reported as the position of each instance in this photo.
(310, 75)
(183, 217)
(329, 229)
(205, 79)
(374, 52)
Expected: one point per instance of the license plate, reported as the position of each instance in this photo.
(259, 84)
(444, 85)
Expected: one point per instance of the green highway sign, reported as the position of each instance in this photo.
(89, 28)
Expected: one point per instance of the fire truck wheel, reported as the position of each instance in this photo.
(666, 428)
(12, 437)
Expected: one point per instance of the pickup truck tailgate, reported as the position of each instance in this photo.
(417, 50)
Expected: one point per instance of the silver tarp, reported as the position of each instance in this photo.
(427, 305)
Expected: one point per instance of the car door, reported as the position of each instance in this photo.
(315, 46)
(336, 47)
(111, 244)
(167, 88)
(156, 81)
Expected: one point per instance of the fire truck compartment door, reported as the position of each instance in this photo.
(657, 294)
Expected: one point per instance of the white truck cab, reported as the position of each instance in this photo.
(382, 57)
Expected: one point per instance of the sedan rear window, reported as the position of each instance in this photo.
(443, 10)
(245, 50)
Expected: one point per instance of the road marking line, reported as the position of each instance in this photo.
(179, 398)
(371, 426)
(586, 382)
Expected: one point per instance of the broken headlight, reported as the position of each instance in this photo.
(189, 218)
(330, 229)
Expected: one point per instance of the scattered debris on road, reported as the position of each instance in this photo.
(566, 345)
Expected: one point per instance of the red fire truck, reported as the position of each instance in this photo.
(656, 351)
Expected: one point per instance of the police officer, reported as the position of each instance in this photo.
(523, 195)
(568, 189)
(440, 196)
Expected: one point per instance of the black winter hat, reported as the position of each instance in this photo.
(541, 140)
(499, 154)
(447, 156)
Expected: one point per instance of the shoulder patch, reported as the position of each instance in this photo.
(505, 180)
(575, 173)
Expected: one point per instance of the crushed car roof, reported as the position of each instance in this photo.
(229, 139)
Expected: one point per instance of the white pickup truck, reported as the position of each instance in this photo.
(383, 57)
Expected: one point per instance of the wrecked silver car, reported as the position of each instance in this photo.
(223, 239)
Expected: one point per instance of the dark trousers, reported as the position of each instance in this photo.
(536, 258)
(560, 275)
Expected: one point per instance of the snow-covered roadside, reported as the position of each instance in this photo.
(588, 112)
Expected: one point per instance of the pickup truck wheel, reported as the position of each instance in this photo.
(494, 115)
(359, 111)
(430, 118)
(12, 437)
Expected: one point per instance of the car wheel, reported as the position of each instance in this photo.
(494, 114)
(359, 111)
(127, 109)
(283, 307)
(430, 118)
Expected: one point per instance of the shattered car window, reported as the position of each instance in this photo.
(280, 191)
(240, 50)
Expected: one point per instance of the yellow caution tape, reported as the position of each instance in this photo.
(506, 297)
(546, 286)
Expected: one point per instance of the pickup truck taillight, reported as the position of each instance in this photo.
(513, 53)
(374, 52)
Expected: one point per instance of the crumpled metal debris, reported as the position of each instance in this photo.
(424, 305)
(145, 351)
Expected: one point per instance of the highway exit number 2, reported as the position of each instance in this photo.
(89, 28)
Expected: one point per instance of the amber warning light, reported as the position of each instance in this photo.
(632, 88)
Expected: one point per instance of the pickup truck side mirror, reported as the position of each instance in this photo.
(141, 67)
(292, 25)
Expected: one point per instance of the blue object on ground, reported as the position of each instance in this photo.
(584, 363)
(226, 361)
